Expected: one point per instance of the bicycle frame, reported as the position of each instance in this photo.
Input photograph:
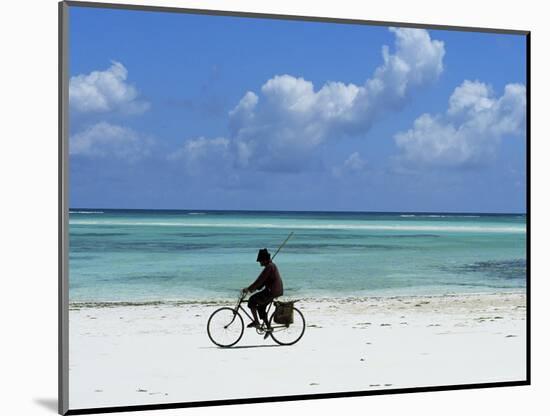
(241, 308)
(266, 328)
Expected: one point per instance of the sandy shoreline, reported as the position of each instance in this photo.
(130, 354)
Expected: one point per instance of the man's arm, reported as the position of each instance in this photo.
(260, 281)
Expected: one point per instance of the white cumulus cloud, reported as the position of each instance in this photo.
(354, 164)
(278, 126)
(470, 131)
(105, 140)
(203, 153)
(104, 91)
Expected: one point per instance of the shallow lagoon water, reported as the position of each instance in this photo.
(140, 255)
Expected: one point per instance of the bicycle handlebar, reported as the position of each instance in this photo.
(242, 295)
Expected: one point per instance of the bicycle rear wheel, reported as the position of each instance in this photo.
(288, 334)
(225, 327)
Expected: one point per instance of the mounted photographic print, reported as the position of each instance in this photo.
(264, 207)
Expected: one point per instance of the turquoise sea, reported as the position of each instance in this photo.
(146, 255)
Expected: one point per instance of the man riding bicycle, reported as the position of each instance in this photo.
(270, 280)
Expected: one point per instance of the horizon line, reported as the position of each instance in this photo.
(298, 210)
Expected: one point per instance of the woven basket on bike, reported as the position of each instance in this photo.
(284, 312)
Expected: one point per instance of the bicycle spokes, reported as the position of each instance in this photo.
(225, 327)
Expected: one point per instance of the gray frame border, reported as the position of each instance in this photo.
(63, 206)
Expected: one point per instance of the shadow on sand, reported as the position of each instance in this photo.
(244, 346)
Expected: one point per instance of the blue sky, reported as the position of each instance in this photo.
(176, 111)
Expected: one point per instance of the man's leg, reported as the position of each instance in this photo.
(255, 315)
(252, 305)
(262, 306)
(262, 312)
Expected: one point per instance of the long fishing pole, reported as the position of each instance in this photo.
(282, 245)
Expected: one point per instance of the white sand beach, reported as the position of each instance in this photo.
(150, 354)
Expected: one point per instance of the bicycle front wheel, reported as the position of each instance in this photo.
(288, 334)
(225, 327)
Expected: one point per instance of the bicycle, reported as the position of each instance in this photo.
(225, 325)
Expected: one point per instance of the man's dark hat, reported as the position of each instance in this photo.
(263, 254)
